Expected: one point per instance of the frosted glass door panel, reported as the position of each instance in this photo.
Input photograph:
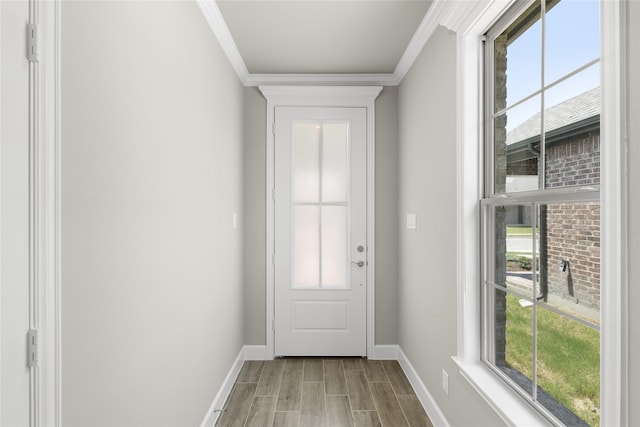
(306, 246)
(335, 146)
(320, 201)
(306, 162)
(334, 246)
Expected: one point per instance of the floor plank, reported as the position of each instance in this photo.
(287, 419)
(238, 405)
(374, 370)
(312, 409)
(262, 412)
(338, 412)
(359, 392)
(313, 370)
(366, 419)
(250, 372)
(290, 391)
(413, 410)
(334, 378)
(269, 384)
(293, 365)
(397, 378)
(352, 363)
(389, 409)
(319, 392)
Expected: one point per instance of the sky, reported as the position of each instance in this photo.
(572, 39)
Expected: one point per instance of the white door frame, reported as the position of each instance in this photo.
(48, 210)
(45, 213)
(319, 96)
(43, 189)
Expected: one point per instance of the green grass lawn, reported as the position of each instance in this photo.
(568, 357)
(518, 230)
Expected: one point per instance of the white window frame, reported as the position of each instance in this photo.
(470, 100)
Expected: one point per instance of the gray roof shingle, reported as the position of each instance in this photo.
(570, 111)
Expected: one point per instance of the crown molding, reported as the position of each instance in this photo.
(457, 16)
(454, 15)
(321, 79)
(425, 30)
(220, 29)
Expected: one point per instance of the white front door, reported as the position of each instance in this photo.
(320, 231)
(14, 214)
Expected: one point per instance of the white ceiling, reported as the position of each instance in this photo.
(322, 36)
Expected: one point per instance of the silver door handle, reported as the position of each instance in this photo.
(358, 263)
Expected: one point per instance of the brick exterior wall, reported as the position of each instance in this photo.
(524, 167)
(574, 161)
(574, 235)
(574, 229)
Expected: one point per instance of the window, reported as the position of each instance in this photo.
(540, 209)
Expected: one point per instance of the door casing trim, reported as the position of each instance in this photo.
(319, 96)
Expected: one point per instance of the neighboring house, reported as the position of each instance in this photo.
(572, 159)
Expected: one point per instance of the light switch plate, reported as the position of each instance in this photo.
(411, 221)
(445, 382)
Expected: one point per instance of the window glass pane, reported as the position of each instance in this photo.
(571, 254)
(568, 368)
(518, 56)
(306, 162)
(516, 134)
(572, 132)
(544, 314)
(334, 246)
(306, 246)
(335, 140)
(514, 339)
(514, 240)
(572, 34)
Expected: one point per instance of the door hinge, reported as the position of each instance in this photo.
(33, 42)
(273, 194)
(273, 128)
(33, 349)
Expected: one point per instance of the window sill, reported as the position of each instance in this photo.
(508, 405)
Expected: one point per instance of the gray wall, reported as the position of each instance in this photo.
(386, 217)
(634, 208)
(254, 162)
(152, 314)
(427, 294)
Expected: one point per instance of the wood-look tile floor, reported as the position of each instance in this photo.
(323, 392)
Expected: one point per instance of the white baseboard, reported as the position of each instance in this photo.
(218, 402)
(428, 402)
(385, 352)
(255, 352)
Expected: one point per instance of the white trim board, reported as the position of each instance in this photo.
(614, 387)
(51, 310)
(217, 405)
(255, 352)
(385, 352)
(320, 96)
(451, 14)
(426, 399)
